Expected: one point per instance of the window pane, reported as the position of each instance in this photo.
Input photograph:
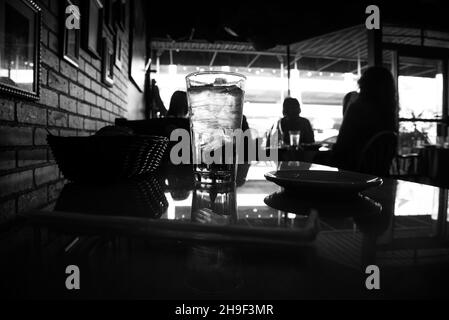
(412, 134)
(420, 88)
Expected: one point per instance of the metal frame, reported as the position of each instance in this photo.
(429, 53)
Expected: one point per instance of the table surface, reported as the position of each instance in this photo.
(269, 244)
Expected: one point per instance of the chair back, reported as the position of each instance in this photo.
(377, 155)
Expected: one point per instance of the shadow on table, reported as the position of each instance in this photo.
(141, 197)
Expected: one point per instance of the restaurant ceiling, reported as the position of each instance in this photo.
(265, 24)
(338, 51)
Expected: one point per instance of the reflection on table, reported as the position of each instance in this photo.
(426, 164)
(218, 239)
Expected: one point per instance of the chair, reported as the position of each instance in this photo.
(377, 155)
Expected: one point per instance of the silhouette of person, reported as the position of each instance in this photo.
(375, 110)
(349, 99)
(293, 122)
(178, 105)
(157, 104)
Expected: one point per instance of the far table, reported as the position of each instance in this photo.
(306, 153)
(433, 163)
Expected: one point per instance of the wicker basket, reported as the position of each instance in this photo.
(107, 158)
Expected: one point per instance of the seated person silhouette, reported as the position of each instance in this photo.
(374, 111)
(293, 122)
(349, 99)
(178, 105)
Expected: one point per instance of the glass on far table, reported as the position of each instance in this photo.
(295, 137)
(446, 143)
(440, 141)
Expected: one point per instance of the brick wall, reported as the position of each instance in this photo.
(73, 102)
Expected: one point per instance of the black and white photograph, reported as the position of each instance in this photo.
(20, 48)
(92, 29)
(108, 62)
(70, 46)
(118, 49)
(224, 160)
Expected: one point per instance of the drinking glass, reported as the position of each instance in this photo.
(215, 107)
(295, 137)
(214, 204)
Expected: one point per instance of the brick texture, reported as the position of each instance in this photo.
(16, 182)
(73, 102)
(6, 110)
(7, 211)
(30, 114)
(46, 174)
(15, 136)
(33, 200)
(7, 160)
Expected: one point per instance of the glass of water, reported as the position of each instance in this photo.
(215, 108)
(295, 137)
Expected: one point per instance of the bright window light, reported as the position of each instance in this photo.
(172, 69)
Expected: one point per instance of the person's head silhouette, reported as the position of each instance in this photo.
(178, 105)
(349, 98)
(377, 84)
(291, 108)
(377, 87)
